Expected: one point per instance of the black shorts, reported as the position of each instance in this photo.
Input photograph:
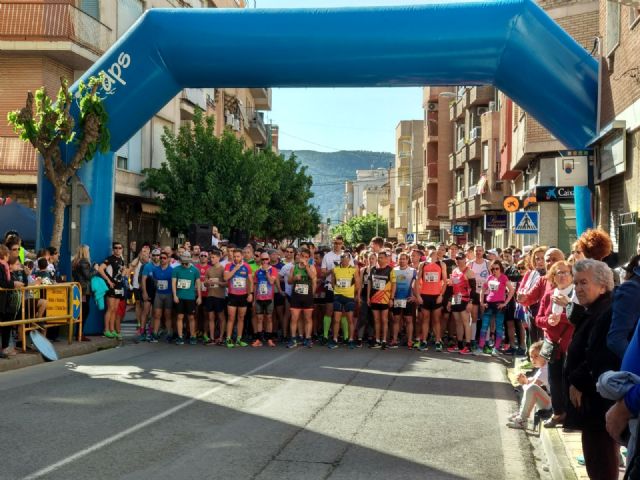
(119, 293)
(379, 306)
(137, 294)
(459, 307)
(278, 300)
(301, 302)
(475, 298)
(239, 301)
(215, 304)
(185, 307)
(320, 300)
(408, 311)
(329, 296)
(429, 302)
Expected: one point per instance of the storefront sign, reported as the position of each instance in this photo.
(460, 229)
(495, 222)
(554, 194)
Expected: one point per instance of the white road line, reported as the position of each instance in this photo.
(114, 438)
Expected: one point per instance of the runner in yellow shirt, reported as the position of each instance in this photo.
(346, 292)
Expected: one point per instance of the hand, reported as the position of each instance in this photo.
(176, 299)
(561, 300)
(575, 396)
(522, 379)
(110, 283)
(145, 297)
(617, 420)
(199, 300)
(485, 305)
(418, 300)
(520, 297)
(501, 306)
(439, 299)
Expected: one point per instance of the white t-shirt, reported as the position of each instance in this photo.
(481, 271)
(330, 261)
(284, 274)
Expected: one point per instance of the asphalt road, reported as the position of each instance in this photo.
(165, 412)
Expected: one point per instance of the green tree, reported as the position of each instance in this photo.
(209, 179)
(50, 125)
(361, 229)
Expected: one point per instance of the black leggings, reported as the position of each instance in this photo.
(557, 385)
(5, 332)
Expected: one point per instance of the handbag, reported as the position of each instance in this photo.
(549, 350)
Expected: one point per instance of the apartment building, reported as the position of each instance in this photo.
(361, 193)
(617, 145)
(40, 41)
(476, 188)
(530, 156)
(407, 177)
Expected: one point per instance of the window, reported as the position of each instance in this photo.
(485, 156)
(90, 7)
(128, 13)
(613, 27)
(459, 136)
(122, 157)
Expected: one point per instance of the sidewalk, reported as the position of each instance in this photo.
(32, 357)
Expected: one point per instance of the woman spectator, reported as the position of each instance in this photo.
(6, 283)
(626, 308)
(81, 273)
(495, 295)
(587, 358)
(552, 319)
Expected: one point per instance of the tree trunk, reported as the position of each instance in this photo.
(58, 216)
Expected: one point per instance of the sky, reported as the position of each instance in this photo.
(332, 119)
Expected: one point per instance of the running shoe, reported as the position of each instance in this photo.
(453, 349)
(193, 340)
(241, 343)
(179, 341)
(107, 334)
(169, 338)
(351, 344)
(393, 345)
(257, 343)
(154, 338)
(332, 344)
(270, 343)
(521, 352)
(410, 345)
(116, 335)
(423, 346)
(142, 337)
(476, 352)
(384, 345)
(292, 343)
(324, 341)
(465, 351)
(517, 423)
(308, 343)
(205, 339)
(438, 346)
(376, 345)
(416, 344)
(487, 349)
(508, 351)
(359, 343)
(209, 342)
(229, 343)
(495, 353)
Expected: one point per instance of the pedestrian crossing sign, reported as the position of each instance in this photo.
(526, 223)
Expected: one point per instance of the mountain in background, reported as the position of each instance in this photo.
(330, 170)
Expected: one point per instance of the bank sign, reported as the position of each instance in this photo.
(495, 222)
(554, 194)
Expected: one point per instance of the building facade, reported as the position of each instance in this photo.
(41, 41)
(407, 177)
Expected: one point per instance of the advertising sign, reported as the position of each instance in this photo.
(554, 194)
(495, 221)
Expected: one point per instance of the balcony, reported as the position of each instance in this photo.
(452, 162)
(461, 210)
(432, 131)
(256, 127)
(491, 200)
(481, 95)
(473, 205)
(190, 98)
(452, 210)
(261, 98)
(432, 173)
(58, 30)
(474, 149)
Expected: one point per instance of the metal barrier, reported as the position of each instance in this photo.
(39, 307)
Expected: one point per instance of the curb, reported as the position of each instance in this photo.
(559, 462)
(64, 350)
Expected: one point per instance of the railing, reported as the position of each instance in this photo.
(40, 307)
(47, 21)
(195, 96)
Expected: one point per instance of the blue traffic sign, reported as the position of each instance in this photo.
(410, 237)
(76, 302)
(526, 223)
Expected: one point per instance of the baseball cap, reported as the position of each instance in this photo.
(493, 251)
(185, 257)
(156, 251)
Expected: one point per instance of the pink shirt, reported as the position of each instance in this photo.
(495, 289)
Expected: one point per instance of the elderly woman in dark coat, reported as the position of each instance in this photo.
(587, 357)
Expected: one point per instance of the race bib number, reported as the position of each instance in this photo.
(455, 280)
(400, 303)
(119, 291)
(493, 285)
(456, 299)
(432, 277)
(343, 283)
(301, 289)
(183, 284)
(239, 282)
(163, 284)
(263, 288)
(379, 283)
(203, 286)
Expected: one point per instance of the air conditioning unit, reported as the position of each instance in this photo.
(230, 119)
(476, 132)
(236, 125)
(493, 107)
(482, 110)
(432, 106)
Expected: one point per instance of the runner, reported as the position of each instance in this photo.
(265, 281)
(346, 288)
(201, 315)
(403, 293)
(215, 303)
(480, 268)
(185, 286)
(112, 270)
(329, 262)
(463, 282)
(379, 299)
(432, 283)
(162, 301)
(240, 285)
(303, 282)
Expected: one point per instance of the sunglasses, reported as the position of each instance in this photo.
(117, 248)
(264, 259)
(203, 255)
(155, 255)
(522, 268)
(495, 269)
(163, 257)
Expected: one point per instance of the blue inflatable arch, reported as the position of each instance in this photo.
(511, 44)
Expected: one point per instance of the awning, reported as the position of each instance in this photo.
(608, 130)
(150, 208)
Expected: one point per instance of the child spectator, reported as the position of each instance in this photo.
(535, 389)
